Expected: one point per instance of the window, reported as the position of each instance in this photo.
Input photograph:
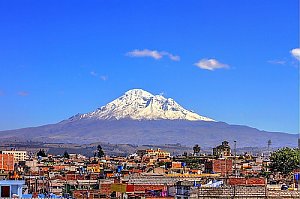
(5, 191)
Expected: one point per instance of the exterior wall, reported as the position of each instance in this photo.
(94, 168)
(143, 188)
(157, 153)
(91, 194)
(33, 164)
(176, 165)
(242, 192)
(56, 187)
(222, 150)
(244, 181)
(18, 155)
(105, 189)
(222, 166)
(182, 191)
(7, 162)
(15, 187)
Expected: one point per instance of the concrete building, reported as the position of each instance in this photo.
(18, 155)
(222, 150)
(157, 153)
(11, 188)
(183, 189)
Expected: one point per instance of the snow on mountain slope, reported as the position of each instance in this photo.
(138, 104)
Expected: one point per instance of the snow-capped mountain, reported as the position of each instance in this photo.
(139, 117)
(138, 104)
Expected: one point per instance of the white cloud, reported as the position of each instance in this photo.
(103, 77)
(280, 62)
(93, 73)
(153, 54)
(23, 93)
(210, 64)
(145, 53)
(171, 56)
(295, 53)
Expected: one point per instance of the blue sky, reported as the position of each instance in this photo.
(228, 60)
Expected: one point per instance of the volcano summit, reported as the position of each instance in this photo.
(138, 104)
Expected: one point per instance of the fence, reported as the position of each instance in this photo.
(245, 192)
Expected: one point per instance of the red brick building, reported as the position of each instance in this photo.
(221, 166)
(246, 181)
(7, 162)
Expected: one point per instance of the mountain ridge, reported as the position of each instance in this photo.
(127, 131)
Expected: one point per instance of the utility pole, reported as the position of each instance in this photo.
(298, 174)
(225, 167)
(269, 152)
(235, 158)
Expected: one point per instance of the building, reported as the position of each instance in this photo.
(221, 166)
(18, 155)
(157, 153)
(222, 150)
(11, 188)
(7, 162)
(141, 152)
(183, 189)
(94, 168)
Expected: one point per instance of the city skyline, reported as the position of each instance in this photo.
(220, 60)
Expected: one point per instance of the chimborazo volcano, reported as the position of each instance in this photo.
(139, 117)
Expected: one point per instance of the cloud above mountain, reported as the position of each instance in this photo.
(102, 77)
(153, 54)
(210, 64)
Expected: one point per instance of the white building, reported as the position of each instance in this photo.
(18, 155)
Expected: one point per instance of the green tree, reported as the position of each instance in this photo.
(196, 149)
(285, 160)
(66, 155)
(26, 169)
(100, 152)
(41, 153)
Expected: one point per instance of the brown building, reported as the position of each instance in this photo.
(222, 150)
(157, 153)
(7, 162)
(221, 166)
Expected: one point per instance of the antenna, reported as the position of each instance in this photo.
(269, 144)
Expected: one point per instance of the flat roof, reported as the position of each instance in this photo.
(12, 182)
